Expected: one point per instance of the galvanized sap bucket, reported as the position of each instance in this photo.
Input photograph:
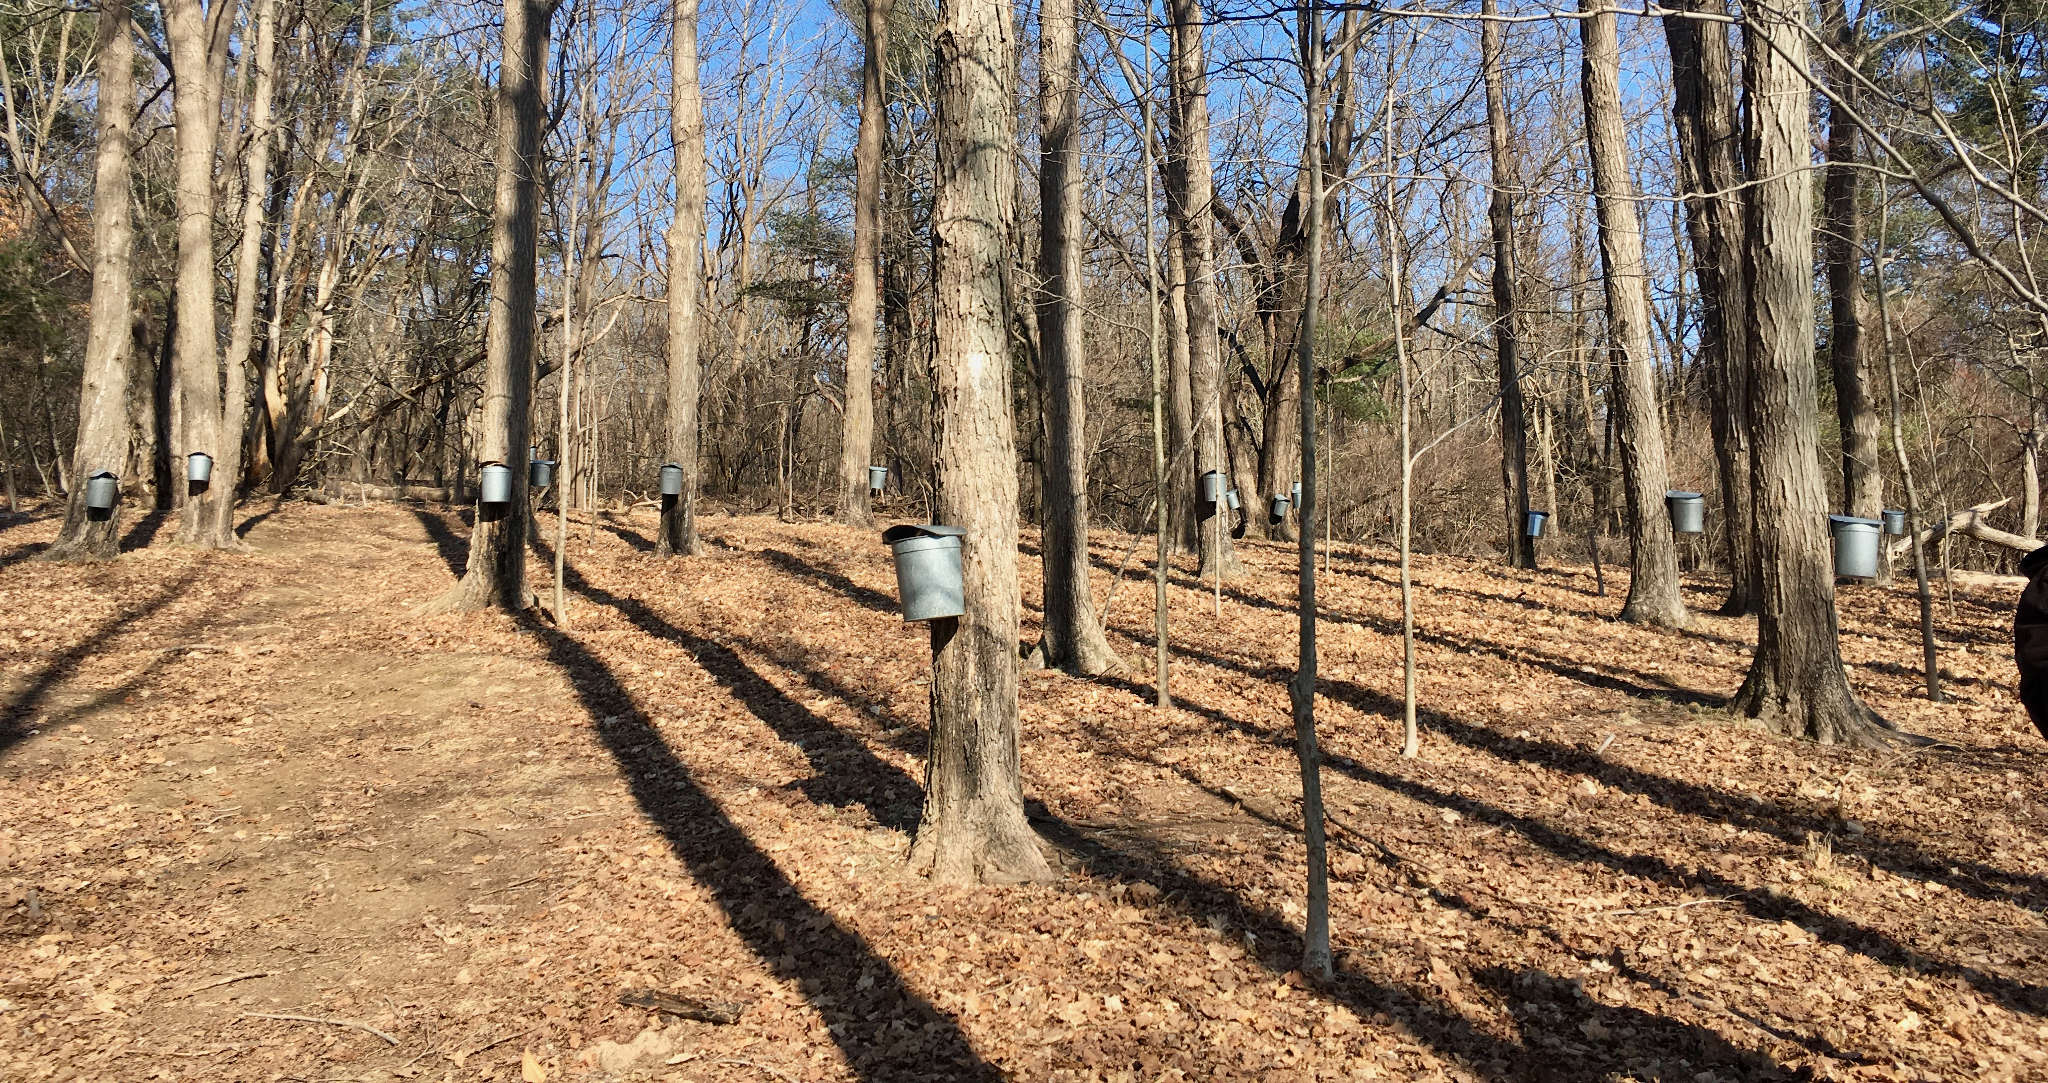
(1532, 523)
(540, 473)
(1213, 487)
(533, 453)
(878, 478)
(102, 491)
(495, 486)
(1279, 508)
(199, 467)
(1894, 522)
(1856, 544)
(1231, 498)
(1688, 512)
(1296, 494)
(671, 480)
(927, 570)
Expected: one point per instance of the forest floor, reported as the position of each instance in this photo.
(262, 820)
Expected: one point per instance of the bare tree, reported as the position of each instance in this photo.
(857, 423)
(1842, 243)
(1073, 636)
(103, 392)
(1795, 684)
(1703, 111)
(678, 533)
(496, 574)
(202, 424)
(1500, 214)
(1190, 203)
(973, 827)
(1315, 952)
(1653, 596)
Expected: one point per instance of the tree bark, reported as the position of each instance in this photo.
(235, 401)
(102, 442)
(1842, 238)
(857, 423)
(198, 47)
(1315, 954)
(1073, 637)
(1704, 114)
(678, 531)
(1795, 684)
(496, 574)
(1653, 595)
(973, 828)
(1190, 199)
(1500, 213)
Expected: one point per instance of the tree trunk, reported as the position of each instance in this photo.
(1653, 596)
(1182, 501)
(496, 575)
(1704, 113)
(198, 47)
(1500, 213)
(1315, 955)
(1073, 637)
(235, 401)
(973, 827)
(102, 442)
(678, 532)
(1795, 685)
(1190, 196)
(857, 424)
(1842, 252)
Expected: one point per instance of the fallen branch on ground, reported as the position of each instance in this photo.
(316, 1019)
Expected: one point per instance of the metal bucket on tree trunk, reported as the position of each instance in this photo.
(1231, 498)
(1688, 512)
(1213, 487)
(927, 570)
(533, 453)
(199, 468)
(1856, 545)
(671, 480)
(878, 478)
(1532, 523)
(102, 491)
(1894, 522)
(495, 485)
(1296, 493)
(1279, 508)
(540, 473)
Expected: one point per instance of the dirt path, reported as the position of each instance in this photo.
(234, 789)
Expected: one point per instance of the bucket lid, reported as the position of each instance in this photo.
(671, 466)
(1680, 494)
(1847, 520)
(488, 463)
(907, 531)
(1894, 511)
(1544, 514)
(104, 474)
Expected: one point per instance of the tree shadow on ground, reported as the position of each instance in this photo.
(1762, 903)
(454, 550)
(16, 715)
(641, 543)
(20, 553)
(886, 1031)
(866, 597)
(838, 761)
(257, 519)
(142, 533)
(1789, 825)
(1426, 1020)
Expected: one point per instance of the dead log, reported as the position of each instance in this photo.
(1969, 522)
